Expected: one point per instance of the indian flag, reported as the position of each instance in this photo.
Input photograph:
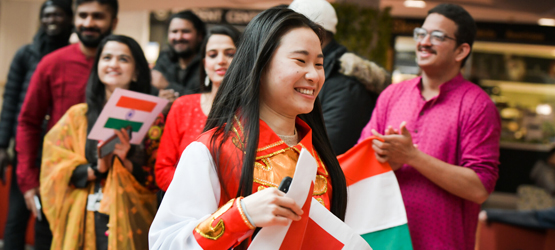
(318, 227)
(375, 208)
(127, 108)
(132, 104)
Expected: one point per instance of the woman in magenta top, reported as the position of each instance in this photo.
(188, 113)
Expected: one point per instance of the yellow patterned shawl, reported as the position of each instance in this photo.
(130, 205)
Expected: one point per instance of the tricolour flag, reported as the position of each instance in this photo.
(375, 207)
(127, 108)
(318, 227)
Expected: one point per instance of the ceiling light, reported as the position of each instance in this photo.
(542, 21)
(543, 109)
(414, 4)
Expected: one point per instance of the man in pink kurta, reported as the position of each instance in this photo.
(441, 136)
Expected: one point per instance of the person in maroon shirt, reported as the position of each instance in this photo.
(58, 83)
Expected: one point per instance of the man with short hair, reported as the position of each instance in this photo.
(58, 83)
(55, 29)
(177, 69)
(440, 134)
(352, 83)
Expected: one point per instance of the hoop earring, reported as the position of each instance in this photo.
(206, 81)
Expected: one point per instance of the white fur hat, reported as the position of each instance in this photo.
(318, 11)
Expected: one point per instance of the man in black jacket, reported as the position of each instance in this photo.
(177, 69)
(352, 83)
(56, 27)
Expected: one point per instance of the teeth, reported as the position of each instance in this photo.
(305, 91)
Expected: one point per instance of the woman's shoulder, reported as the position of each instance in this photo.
(187, 103)
(187, 99)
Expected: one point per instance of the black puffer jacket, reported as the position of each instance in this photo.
(22, 68)
(349, 94)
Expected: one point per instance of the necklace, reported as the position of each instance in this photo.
(290, 140)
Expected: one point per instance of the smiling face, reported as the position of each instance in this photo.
(294, 76)
(183, 37)
(443, 54)
(54, 20)
(219, 53)
(116, 66)
(93, 22)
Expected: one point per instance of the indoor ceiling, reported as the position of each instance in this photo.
(511, 11)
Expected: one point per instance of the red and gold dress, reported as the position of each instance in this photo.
(199, 213)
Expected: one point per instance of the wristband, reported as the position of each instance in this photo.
(243, 212)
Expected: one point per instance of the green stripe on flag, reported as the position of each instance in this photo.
(118, 124)
(397, 238)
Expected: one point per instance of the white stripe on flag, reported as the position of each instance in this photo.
(374, 204)
(336, 228)
(305, 174)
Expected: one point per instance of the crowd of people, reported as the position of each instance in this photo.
(241, 108)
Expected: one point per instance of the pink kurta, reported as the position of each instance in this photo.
(460, 126)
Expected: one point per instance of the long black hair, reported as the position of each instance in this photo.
(96, 91)
(239, 94)
(226, 30)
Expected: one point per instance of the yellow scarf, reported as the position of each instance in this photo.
(130, 205)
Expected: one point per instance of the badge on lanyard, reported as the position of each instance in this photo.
(93, 202)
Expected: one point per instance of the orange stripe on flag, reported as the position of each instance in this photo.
(136, 104)
(360, 162)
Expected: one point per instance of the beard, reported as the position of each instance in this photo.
(184, 54)
(91, 41)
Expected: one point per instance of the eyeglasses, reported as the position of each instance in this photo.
(436, 36)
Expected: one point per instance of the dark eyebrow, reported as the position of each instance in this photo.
(304, 52)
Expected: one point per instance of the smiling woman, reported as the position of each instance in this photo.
(84, 195)
(188, 113)
(292, 81)
(264, 113)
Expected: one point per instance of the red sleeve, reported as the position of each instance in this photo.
(168, 151)
(35, 107)
(224, 229)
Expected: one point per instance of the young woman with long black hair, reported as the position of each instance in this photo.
(91, 202)
(188, 113)
(264, 113)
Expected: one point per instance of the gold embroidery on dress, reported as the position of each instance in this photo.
(321, 201)
(265, 183)
(237, 141)
(320, 185)
(260, 188)
(260, 165)
(274, 153)
(239, 124)
(268, 165)
(205, 228)
(270, 146)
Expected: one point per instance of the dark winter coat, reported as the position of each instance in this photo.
(22, 68)
(349, 94)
